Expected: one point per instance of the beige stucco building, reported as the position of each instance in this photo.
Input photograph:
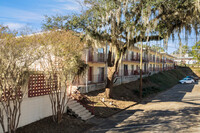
(129, 68)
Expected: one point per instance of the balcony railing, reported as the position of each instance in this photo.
(90, 58)
(101, 58)
(130, 73)
(132, 59)
(95, 78)
(98, 59)
(169, 61)
(135, 59)
(155, 69)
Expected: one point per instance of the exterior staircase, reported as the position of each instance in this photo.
(79, 109)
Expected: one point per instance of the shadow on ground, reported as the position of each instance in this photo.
(165, 120)
(158, 120)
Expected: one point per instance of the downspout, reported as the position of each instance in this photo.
(86, 79)
(106, 63)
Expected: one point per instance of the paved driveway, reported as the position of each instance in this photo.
(175, 110)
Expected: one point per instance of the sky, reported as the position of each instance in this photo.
(30, 13)
(18, 14)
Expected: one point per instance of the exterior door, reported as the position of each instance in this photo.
(90, 71)
(101, 74)
(125, 70)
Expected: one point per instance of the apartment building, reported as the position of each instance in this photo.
(129, 68)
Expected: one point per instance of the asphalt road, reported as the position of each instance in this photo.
(173, 111)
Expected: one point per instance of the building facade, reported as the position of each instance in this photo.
(129, 68)
(185, 60)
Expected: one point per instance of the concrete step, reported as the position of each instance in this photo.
(74, 105)
(86, 117)
(77, 107)
(83, 113)
(79, 110)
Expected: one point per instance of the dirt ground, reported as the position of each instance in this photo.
(104, 107)
(69, 124)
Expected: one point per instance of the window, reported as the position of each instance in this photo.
(153, 58)
(132, 55)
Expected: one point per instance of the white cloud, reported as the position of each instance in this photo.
(71, 7)
(14, 26)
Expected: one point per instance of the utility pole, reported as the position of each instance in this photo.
(141, 51)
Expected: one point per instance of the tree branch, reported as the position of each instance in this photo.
(143, 39)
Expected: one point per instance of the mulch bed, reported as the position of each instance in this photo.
(70, 124)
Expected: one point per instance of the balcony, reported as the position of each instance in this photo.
(90, 58)
(163, 61)
(126, 59)
(99, 58)
(133, 72)
(169, 61)
(137, 59)
(151, 60)
(93, 79)
(145, 59)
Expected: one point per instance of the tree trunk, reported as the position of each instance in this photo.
(59, 116)
(109, 85)
(112, 67)
(111, 71)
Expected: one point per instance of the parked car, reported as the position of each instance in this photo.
(186, 80)
(192, 77)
